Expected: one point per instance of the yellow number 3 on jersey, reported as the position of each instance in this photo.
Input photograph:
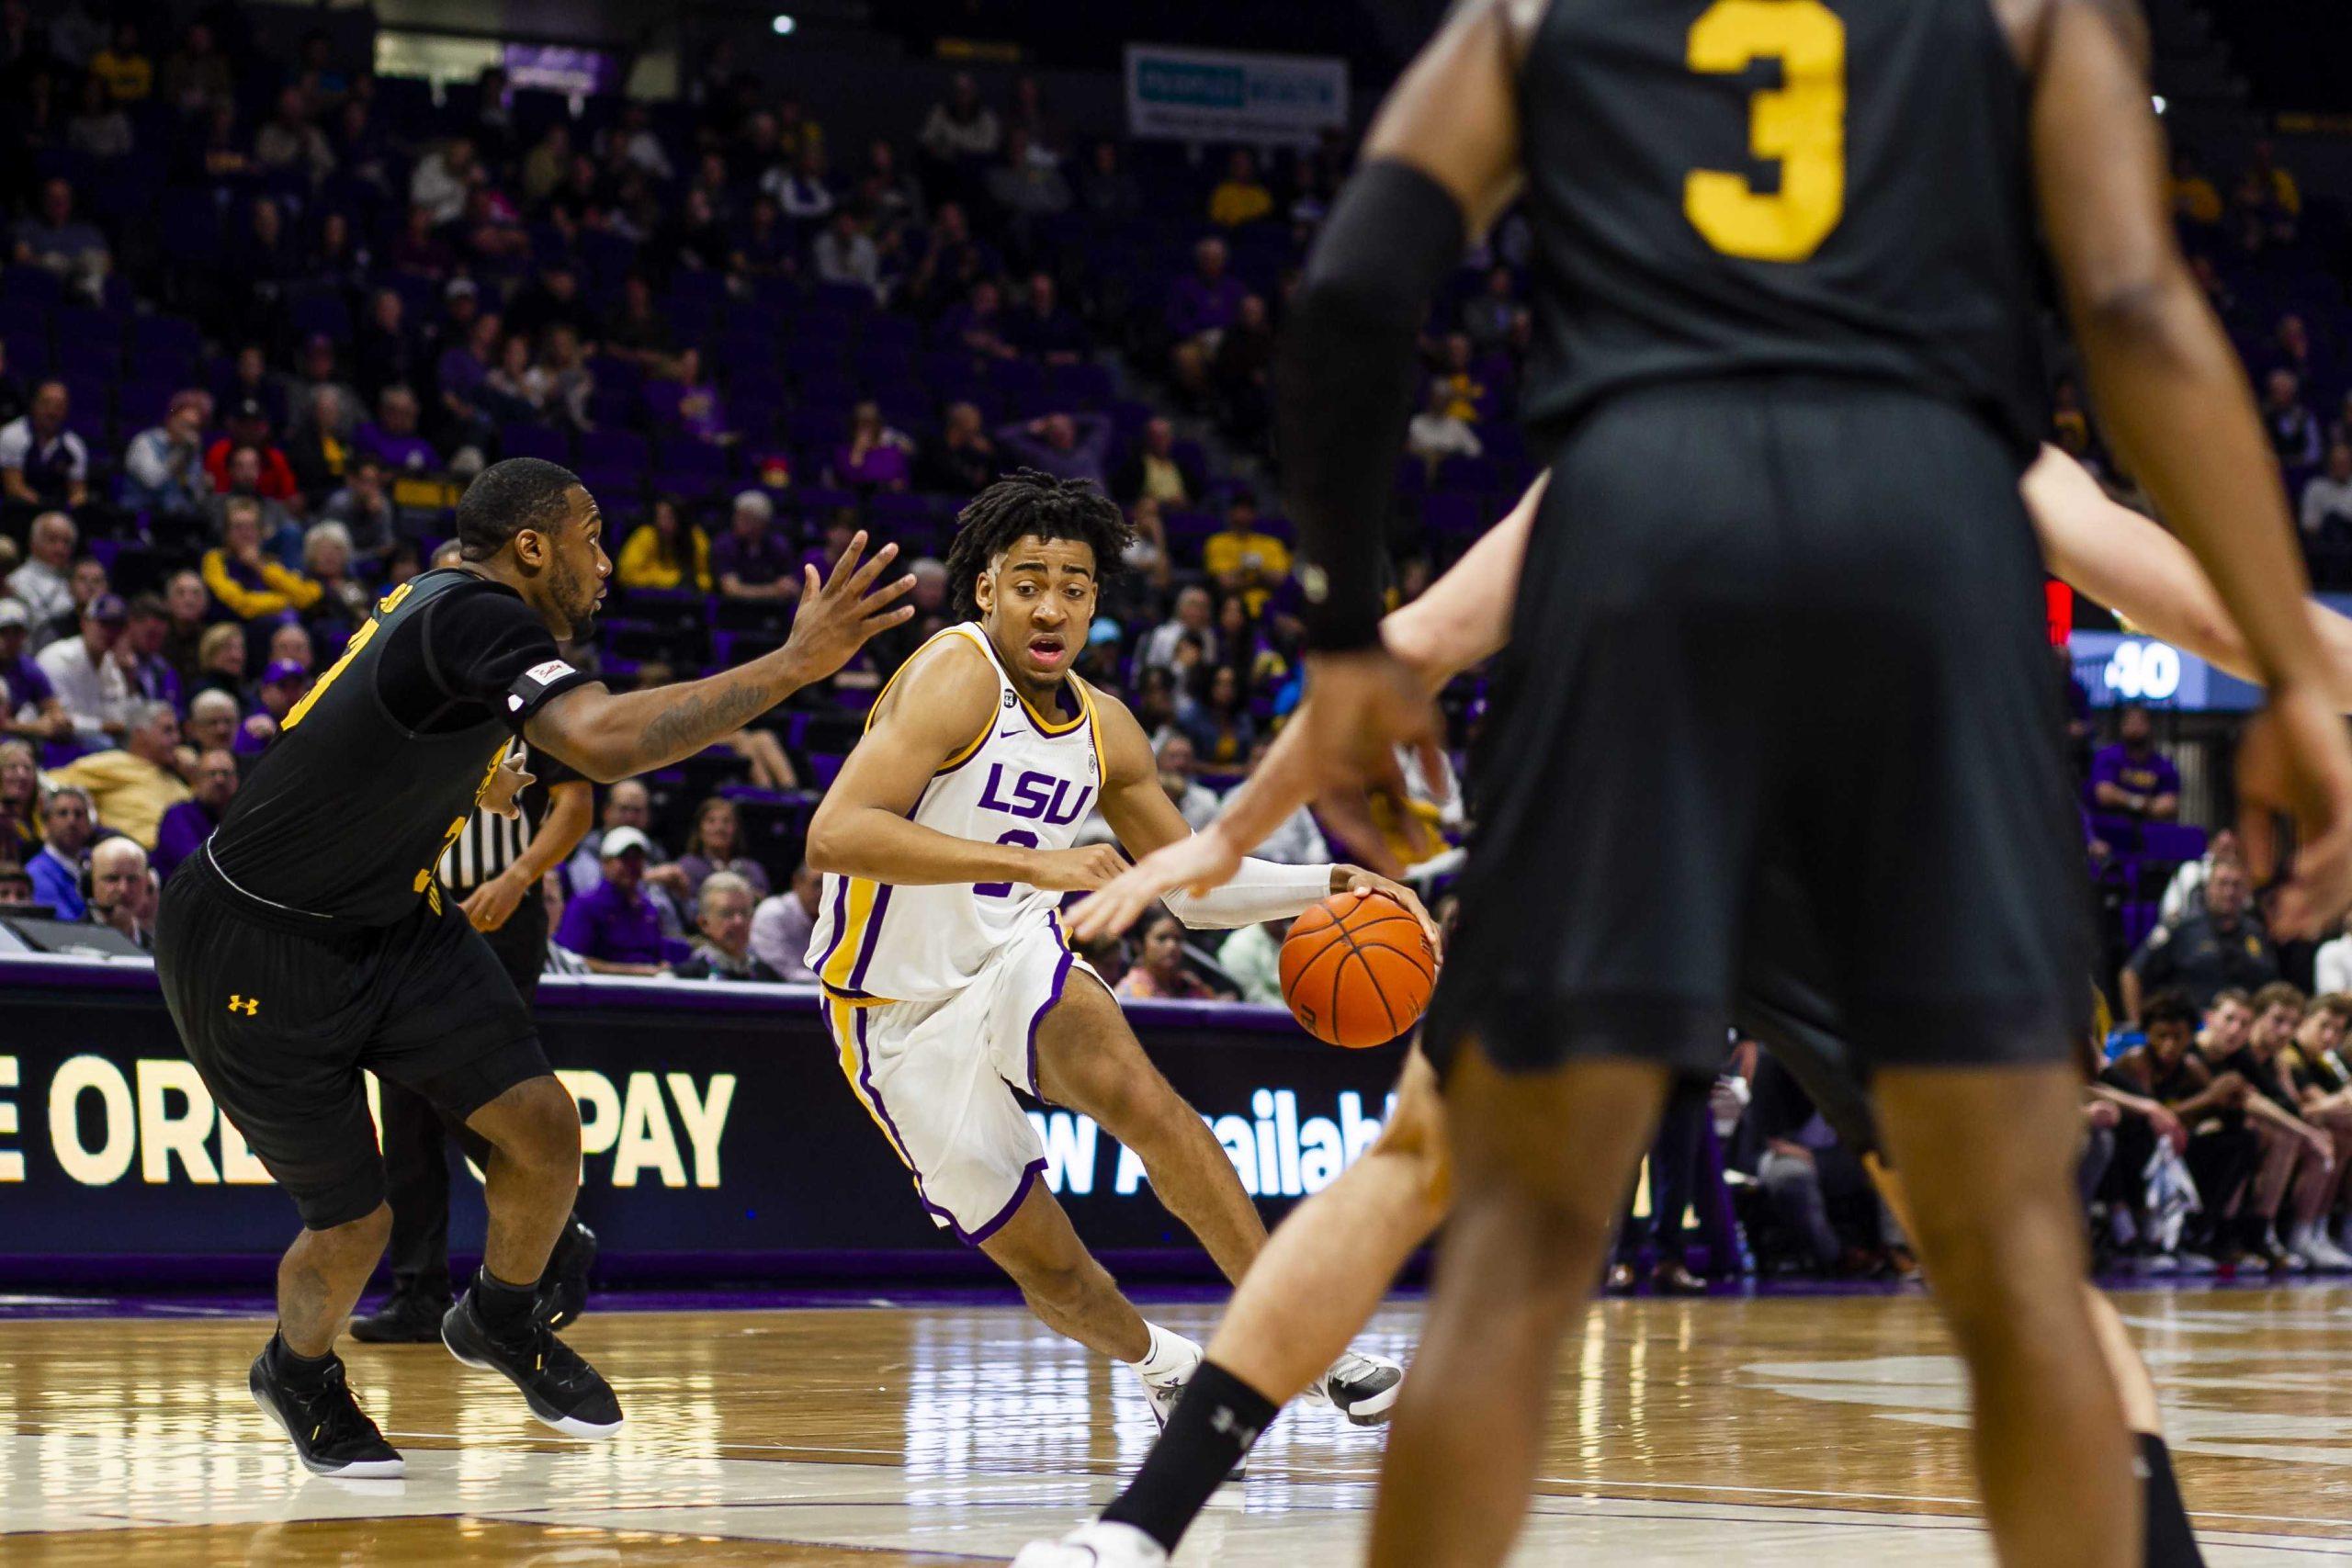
(1801, 126)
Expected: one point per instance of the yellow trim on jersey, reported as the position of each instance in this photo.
(841, 1019)
(1052, 729)
(1101, 763)
(960, 758)
(858, 910)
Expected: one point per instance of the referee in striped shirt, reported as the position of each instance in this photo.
(492, 869)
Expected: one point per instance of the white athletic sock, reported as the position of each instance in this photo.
(1171, 1353)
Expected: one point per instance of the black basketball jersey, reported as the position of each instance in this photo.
(1727, 187)
(378, 767)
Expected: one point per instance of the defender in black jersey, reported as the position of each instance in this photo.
(1782, 609)
(310, 938)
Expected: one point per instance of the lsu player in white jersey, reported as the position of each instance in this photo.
(947, 844)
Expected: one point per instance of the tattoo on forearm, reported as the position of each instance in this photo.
(693, 719)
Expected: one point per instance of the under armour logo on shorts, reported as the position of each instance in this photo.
(248, 1007)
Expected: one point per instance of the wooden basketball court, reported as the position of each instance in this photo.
(1765, 1431)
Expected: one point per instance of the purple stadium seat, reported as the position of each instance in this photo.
(1455, 513)
(28, 354)
(539, 441)
(31, 285)
(1081, 386)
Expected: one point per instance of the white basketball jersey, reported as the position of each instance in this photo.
(1029, 779)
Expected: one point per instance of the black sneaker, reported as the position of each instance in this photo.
(562, 1391)
(408, 1317)
(332, 1435)
(563, 1289)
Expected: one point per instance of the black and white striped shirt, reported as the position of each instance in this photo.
(490, 842)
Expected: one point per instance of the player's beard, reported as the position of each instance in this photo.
(579, 602)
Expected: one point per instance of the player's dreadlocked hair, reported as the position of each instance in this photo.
(508, 497)
(1026, 503)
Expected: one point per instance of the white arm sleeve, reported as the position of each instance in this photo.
(1261, 890)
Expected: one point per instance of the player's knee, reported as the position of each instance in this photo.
(1998, 1267)
(1060, 1284)
(1417, 1148)
(539, 1127)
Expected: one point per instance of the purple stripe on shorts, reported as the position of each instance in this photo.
(873, 935)
(898, 1139)
(1036, 1168)
(1061, 978)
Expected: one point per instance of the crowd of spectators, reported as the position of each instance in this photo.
(263, 317)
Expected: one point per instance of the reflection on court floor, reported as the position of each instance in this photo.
(1766, 1432)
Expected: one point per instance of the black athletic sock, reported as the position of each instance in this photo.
(1211, 1428)
(501, 1306)
(2170, 1542)
(304, 1371)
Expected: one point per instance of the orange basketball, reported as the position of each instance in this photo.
(1357, 970)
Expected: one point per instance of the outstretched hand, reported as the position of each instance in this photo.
(2295, 762)
(1197, 863)
(836, 617)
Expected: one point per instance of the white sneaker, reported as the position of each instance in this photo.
(1098, 1545)
(2314, 1244)
(1163, 1388)
(1362, 1388)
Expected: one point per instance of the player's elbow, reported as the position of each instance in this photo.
(827, 849)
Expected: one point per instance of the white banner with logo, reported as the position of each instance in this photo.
(1201, 95)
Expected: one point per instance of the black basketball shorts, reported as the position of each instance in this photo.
(1774, 623)
(281, 1011)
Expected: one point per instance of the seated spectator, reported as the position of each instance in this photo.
(88, 680)
(131, 788)
(67, 826)
(1108, 191)
(751, 562)
(19, 802)
(2327, 497)
(16, 892)
(2131, 778)
(1438, 433)
(1156, 473)
(140, 652)
(1805, 1170)
(57, 240)
(1149, 571)
(1194, 801)
(443, 178)
(2222, 948)
(186, 826)
(221, 663)
(98, 129)
(1192, 620)
(290, 143)
(628, 804)
(1299, 840)
(802, 191)
(1243, 366)
(845, 253)
(515, 391)
(613, 926)
(43, 584)
(30, 710)
(2195, 199)
(124, 68)
(1216, 717)
(2294, 432)
(639, 332)
(281, 537)
(387, 350)
(566, 383)
(874, 456)
(44, 466)
(248, 424)
(963, 461)
(290, 644)
(978, 324)
(723, 915)
(2185, 894)
(344, 602)
(1067, 446)
(244, 581)
(782, 924)
(1161, 972)
(1204, 302)
(122, 890)
(283, 683)
(716, 845)
(187, 612)
(1023, 187)
(961, 129)
(1041, 329)
(363, 509)
(1252, 955)
(1243, 558)
(163, 470)
(665, 551)
(466, 418)
(216, 719)
(393, 440)
(1459, 377)
(196, 75)
(1241, 196)
(554, 300)
(701, 412)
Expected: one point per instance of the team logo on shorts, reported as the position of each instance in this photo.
(249, 1006)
